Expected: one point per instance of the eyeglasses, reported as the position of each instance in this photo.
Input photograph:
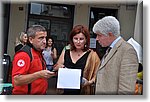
(81, 40)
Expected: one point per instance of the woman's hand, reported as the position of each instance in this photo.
(57, 66)
(85, 82)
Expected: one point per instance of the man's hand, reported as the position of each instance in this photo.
(46, 74)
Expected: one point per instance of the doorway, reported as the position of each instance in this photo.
(95, 15)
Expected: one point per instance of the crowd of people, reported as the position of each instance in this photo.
(114, 74)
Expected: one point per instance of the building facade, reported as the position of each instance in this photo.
(59, 19)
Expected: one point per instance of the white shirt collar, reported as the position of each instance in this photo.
(115, 41)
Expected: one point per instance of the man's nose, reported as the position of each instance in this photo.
(44, 40)
(96, 37)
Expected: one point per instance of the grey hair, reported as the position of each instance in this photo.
(33, 29)
(106, 25)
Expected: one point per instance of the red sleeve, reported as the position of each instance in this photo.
(20, 63)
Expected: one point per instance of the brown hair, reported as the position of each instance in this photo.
(80, 29)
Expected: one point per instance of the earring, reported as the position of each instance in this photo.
(85, 45)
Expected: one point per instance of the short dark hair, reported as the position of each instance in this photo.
(33, 29)
(80, 29)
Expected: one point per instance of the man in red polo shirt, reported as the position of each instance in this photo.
(29, 74)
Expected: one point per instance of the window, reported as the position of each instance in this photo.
(45, 23)
(56, 18)
(51, 10)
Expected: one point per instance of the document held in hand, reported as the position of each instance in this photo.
(69, 78)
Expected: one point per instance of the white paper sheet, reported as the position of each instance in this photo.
(137, 48)
(69, 78)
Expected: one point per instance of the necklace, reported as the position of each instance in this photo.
(78, 54)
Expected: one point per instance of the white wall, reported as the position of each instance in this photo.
(17, 24)
(127, 21)
(81, 14)
(138, 31)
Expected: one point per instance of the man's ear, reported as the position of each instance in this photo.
(110, 34)
(30, 40)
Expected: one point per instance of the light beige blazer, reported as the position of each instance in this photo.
(117, 74)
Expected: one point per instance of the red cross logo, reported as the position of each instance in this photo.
(21, 63)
